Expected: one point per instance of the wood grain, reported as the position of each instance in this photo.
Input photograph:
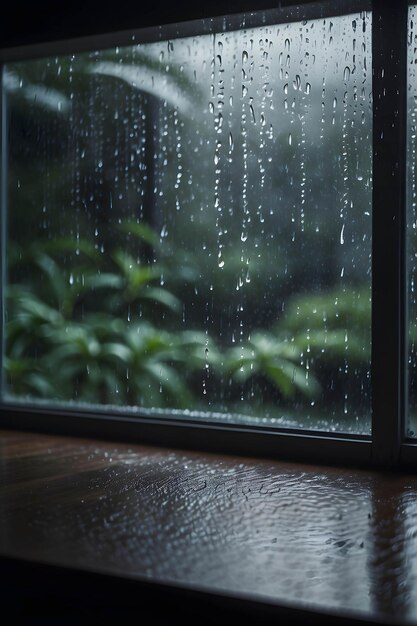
(319, 539)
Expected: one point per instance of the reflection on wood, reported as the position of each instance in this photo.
(316, 538)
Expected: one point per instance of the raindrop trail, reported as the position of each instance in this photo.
(217, 79)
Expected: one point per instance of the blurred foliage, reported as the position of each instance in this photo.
(277, 360)
(97, 300)
(330, 325)
(88, 332)
(84, 331)
(319, 347)
(103, 331)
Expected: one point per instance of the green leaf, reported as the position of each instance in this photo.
(162, 296)
(33, 310)
(104, 281)
(144, 79)
(137, 275)
(41, 383)
(141, 231)
(245, 370)
(64, 245)
(169, 380)
(37, 94)
(288, 377)
(118, 350)
(57, 281)
(282, 380)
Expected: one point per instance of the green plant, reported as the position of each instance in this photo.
(331, 326)
(276, 359)
(90, 324)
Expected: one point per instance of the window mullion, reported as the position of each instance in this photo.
(3, 195)
(389, 57)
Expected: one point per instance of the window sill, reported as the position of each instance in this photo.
(92, 528)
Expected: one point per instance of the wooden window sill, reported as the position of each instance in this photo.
(92, 528)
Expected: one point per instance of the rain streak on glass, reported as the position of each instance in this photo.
(189, 226)
(412, 218)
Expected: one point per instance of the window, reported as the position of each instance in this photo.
(191, 227)
(412, 217)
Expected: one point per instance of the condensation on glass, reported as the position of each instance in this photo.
(189, 227)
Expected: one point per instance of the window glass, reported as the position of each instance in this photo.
(412, 218)
(189, 226)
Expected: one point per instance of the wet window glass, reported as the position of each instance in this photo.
(412, 218)
(189, 227)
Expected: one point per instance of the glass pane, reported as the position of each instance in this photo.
(412, 218)
(189, 226)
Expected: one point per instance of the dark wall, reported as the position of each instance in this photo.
(49, 20)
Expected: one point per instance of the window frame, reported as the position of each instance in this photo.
(387, 447)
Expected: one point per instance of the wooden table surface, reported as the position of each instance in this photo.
(322, 540)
